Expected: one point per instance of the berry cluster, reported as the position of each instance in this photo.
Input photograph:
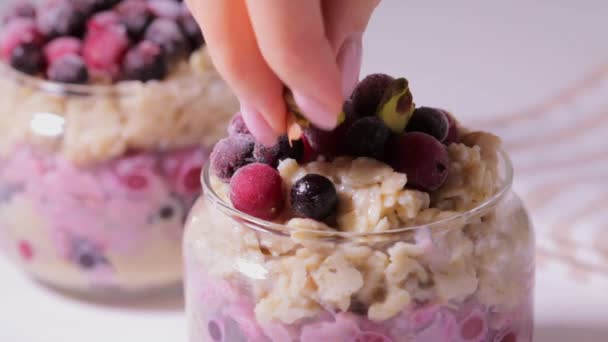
(81, 41)
(381, 121)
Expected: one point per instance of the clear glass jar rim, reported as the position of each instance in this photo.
(282, 229)
(121, 88)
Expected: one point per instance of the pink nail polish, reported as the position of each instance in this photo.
(349, 60)
(258, 126)
(319, 114)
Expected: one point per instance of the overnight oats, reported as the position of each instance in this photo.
(399, 225)
(109, 110)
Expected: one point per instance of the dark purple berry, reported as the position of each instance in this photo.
(97, 5)
(237, 125)
(453, 133)
(169, 9)
(422, 158)
(368, 137)
(167, 34)
(191, 30)
(331, 143)
(68, 69)
(431, 121)
(272, 155)
(145, 62)
(20, 9)
(28, 58)
(135, 15)
(314, 196)
(215, 330)
(61, 18)
(368, 93)
(87, 255)
(230, 154)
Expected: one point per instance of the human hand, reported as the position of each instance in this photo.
(313, 47)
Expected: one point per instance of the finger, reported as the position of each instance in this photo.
(345, 22)
(235, 53)
(291, 36)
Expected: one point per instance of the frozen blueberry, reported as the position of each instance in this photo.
(237, 125)
(283, 149)
(314, 196)
(368, 93)
(431, 121)
(87, 255)
(191, 30)
(168, 34)
(230, 154)
(68, 69)
(61, 18)
(145, 62)
(368, 137)
(28, 58)
(135, 15)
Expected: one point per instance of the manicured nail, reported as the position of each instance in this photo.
(349, 60)
(321, 115)
(258, 126)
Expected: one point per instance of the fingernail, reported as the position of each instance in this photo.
(318, 113)
(258, 126)
(349, 60)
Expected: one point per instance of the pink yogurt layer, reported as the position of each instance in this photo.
(106, 207)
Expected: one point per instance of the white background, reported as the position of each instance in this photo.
(479, 58)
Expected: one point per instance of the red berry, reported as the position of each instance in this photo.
(62, 46)
(192, 179)
(104, 50)
(309, 153)
(102, 21)
(25, 250)
(18, 31)
(472, 328)
(422, 158)
(257, 190)
(135, 181)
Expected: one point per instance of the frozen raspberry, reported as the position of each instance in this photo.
(68, 69)
(102, 21)
(135, 15)
(431, 121)
(104, 50)
(145, 62)
(309, 153)
(167, 34)
(18, 31)
(422, 158)
(169, 9)
(62, 46)
(191, 29)
(368, 137)
(473, 328)
(20, 9)
(61, 18)
(25, 250)
(314, 196)
(453, 134)
(368, 93)
(230, 154)
(281, 150)
(237, 125)
(257, 190)
(28, 58)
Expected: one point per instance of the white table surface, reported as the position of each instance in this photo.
(478, 58)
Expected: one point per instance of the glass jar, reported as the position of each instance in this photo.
(468, 277)
(96, 181)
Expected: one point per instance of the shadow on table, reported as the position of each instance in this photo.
(571, 333)
(168, 299)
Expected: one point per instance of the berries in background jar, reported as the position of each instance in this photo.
(169, 9)
(18, 31)
(257, 189)
(314, 196)
(99, 5)
(167, 34)
(230, 154)
(281, 150)
(62, 46)
(104, 50)
(191, 29)
(397, 105)
(87, 255)
(28, 58)
(20, 9)
(422, 158)
(237, 125)
(68, 69)
(368, 137)
(103, 21)
(368, 93)
(431, 121)
(145, 62)
(135, 15)
(61, 18)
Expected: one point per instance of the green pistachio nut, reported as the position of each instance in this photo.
(397, 105)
